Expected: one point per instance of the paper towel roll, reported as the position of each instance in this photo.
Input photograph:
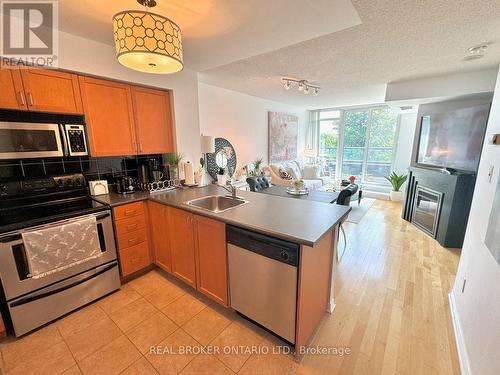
(188, 173)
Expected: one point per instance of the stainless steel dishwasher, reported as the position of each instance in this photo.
(263, 279)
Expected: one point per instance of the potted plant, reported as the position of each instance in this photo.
(172, 161)
(298, 184)
(396, 181)
(257, 165)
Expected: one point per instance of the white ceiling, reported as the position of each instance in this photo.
(397, 40)
(217, 32)
(248, 45)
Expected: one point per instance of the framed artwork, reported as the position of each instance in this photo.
(283, 136)
(492, 239)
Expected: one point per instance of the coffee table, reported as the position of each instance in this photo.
(315, 195)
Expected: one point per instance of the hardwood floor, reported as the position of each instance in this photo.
(392, 302)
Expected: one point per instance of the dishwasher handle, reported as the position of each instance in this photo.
(271, 247)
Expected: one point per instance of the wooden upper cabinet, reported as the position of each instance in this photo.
(211, 259)
(109, 116)
(182, 249)
(11, 88)
(153, 120)
(51, 91)
(158, 217)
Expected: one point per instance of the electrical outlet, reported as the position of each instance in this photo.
(490, 173)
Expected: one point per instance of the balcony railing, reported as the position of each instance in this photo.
(378, 163)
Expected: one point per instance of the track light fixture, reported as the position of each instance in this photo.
(302, 85)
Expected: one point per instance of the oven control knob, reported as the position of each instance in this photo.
(284, 255)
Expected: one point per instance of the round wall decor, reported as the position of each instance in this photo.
(223, 157)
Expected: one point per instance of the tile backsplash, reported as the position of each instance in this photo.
(105, 168)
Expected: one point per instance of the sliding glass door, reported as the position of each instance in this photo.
(354, 150)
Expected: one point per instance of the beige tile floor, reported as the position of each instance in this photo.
(114, 336)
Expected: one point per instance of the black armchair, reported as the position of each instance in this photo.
(345, 195)
(257, 183)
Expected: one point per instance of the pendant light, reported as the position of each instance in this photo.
(147, 42)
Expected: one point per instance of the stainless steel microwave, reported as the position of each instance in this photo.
(20, 140)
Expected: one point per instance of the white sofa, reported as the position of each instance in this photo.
(311, 175)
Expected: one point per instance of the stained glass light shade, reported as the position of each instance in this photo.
(147, 42)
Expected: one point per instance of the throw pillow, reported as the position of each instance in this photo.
(284, 174)
(311, 172)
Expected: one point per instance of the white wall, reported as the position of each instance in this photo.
(442, 87)
(477, 309)
(242, 120)
(86, 56)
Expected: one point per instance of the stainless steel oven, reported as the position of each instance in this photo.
(33, 302)
(20, 140)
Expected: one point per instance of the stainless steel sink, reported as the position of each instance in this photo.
(216, 203)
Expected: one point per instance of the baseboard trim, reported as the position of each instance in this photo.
(459, 338)
(331, 306)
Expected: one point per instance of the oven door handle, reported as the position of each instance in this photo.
(42, 294)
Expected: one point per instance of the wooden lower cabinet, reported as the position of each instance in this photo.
(158, 219)
(192, 248)
(211, 259)
(132, 237)
(181, 238)
(134, 258)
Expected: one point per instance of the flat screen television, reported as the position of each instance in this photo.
(453, 139)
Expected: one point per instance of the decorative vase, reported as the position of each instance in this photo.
(173, 171)
(298, 185)
(199, 177)
(396, 196)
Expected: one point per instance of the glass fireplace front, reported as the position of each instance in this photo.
(426, 209)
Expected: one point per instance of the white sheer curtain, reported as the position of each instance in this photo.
(312, 135)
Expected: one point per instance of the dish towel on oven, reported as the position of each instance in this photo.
(57, 248)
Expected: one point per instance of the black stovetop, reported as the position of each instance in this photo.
(28, 203)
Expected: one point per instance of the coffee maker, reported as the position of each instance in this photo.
(151, 170)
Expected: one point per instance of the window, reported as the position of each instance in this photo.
(358, 142)
(329, 124)
(382, 140)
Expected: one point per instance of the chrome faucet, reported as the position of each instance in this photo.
(230, 188)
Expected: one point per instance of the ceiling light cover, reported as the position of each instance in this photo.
(147, 42)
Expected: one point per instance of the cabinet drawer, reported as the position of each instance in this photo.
(132, 238)
(129, 210)
(134, 258)
(130, 224)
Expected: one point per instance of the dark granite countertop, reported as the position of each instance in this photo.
(115, 199)
(300, 221)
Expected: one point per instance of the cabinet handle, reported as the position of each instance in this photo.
(129, 212)
(131, 226)
(30, 99)
(21, 97)
(132, 240)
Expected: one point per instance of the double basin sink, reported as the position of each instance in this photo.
(216, 203)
